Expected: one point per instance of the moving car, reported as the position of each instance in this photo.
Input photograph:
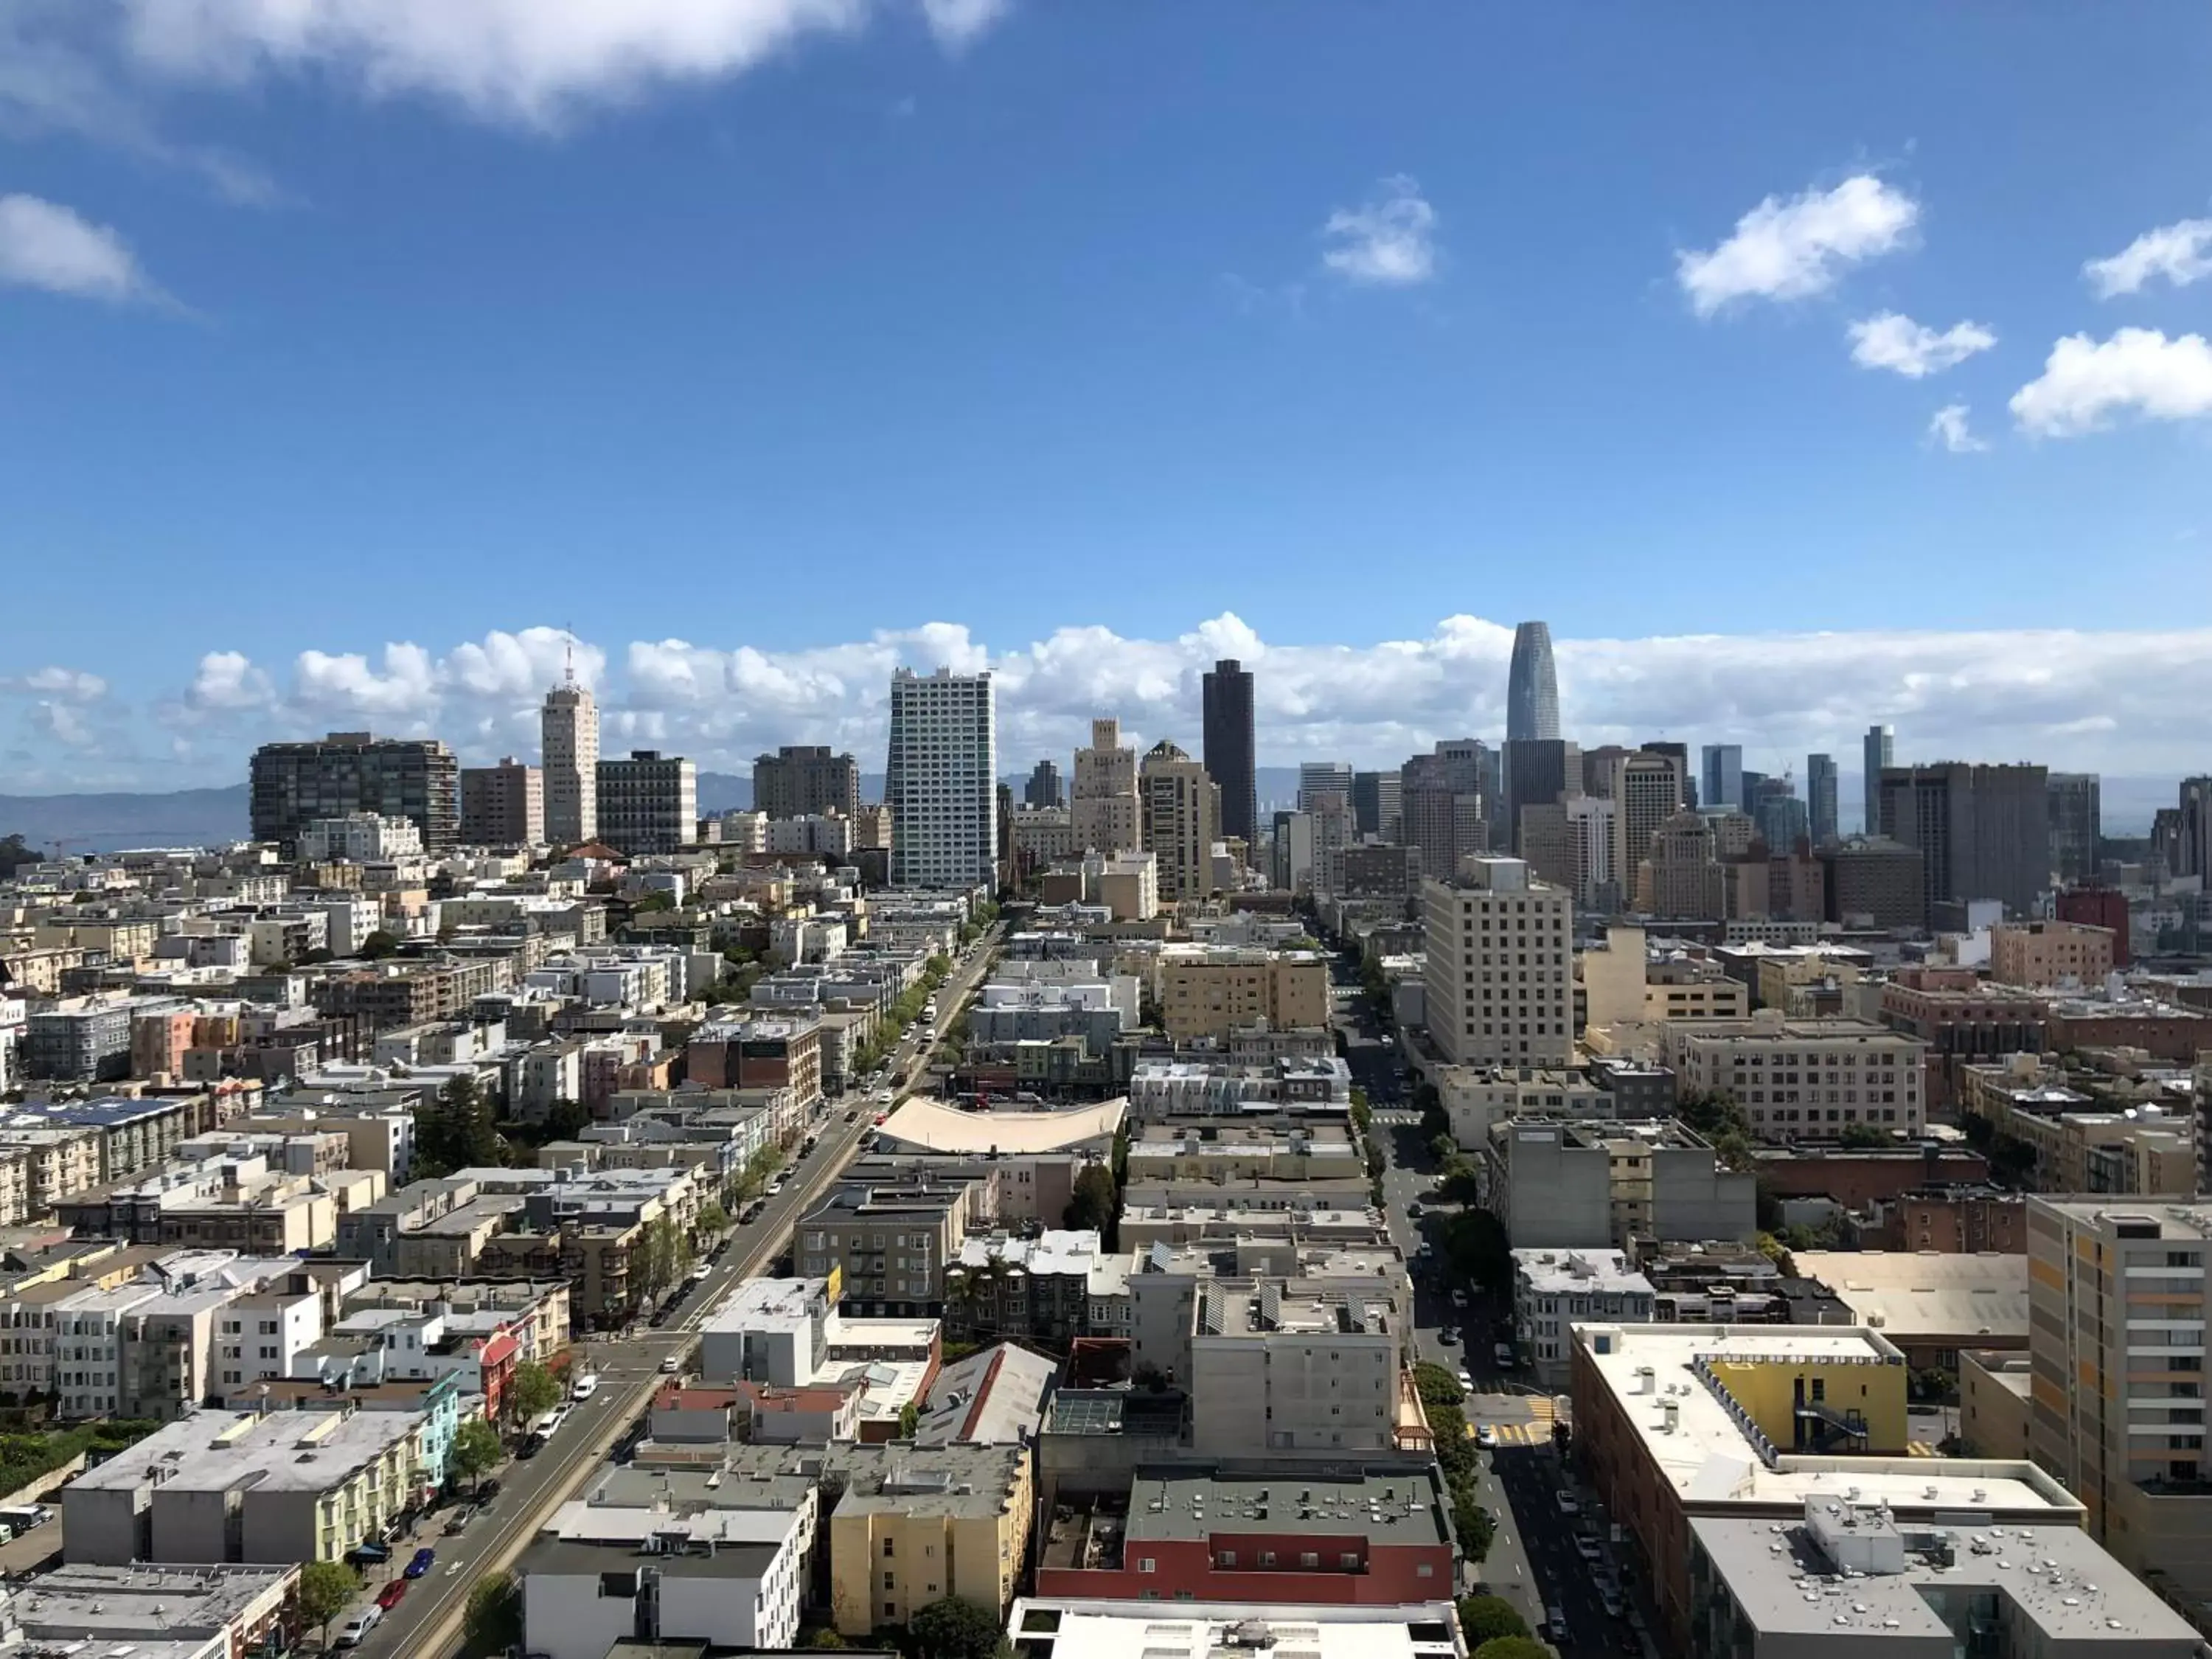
(425, 1558)
(1609, 1598)
(671, 1364)
(1503, 1353)
(584, 1387)
(1555, 1626)
(1448, 1335)
(1486, 1437)
(351, 1632)
(1588, 1548)
(389, 1597)
(1465, 1382)
(1459, 1298)
(1567, 1501)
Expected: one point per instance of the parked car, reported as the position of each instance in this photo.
(1465, 1382)
(425, 1558)
(1486, 1437)
(486, 1491)
(1588, 1548)
(1503, 1353)
(584, 1387)
(1566, 1501)
(701, 1274)
(351, 1632)
(530, 1448)
(458, 1521)
(391, 1595)
(1458, 1297)
(1609, 1598)
(1448, 1335)
(24, 1516)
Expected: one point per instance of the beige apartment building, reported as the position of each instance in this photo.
(2040, 953)
(1102, 800)
(1802, 1079)
(1209, 991)
(1181, 810)
(1622, 985)
(2117, 1297)
(1498, 966)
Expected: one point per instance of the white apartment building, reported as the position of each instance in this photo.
(568, 729)
(1802, 1079)
(349, 919)
(1300, 1365)
(1498, 966)
(1554, 1290)
(648, 803)
(1102, 803)
(259, 1335)
(941, 780)
(1591, 820)
(360, 838)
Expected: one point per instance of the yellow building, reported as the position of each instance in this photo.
(1208, 991)
(1799, 1400)
(918, 1523)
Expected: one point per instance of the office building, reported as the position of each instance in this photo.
(1680, 874)
(1538, 771)
(1105, 808)
(1878, 754)
(1499, 969)
(941, 780)
(2076, 824)
(502, 805)
(2048, 953)
(1444, 804)
(649, 803)
(1722, 781)
(1983, 831)
(1780, 817)
(1376, 805)
(1532, 687)
(1043, 791)
(803, 780)
(1321, 780)
(1227, 744)
(293, 784)
(1645, 790)
(1802, 1079)
(1821, 797)
(1875, 883)
(2117, 1292)
(569, 738)
(1597, 1185)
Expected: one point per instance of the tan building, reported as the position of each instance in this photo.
(1210, 991)
(1802, 1079)
(1680, 874)
(502, 805)
(1103, 798)
(2040, 953)
(1646, 791)
(1180, 820)
(2142, 1150)
(2118, 1294)
(1127, 885)
(1498, 979)
(1995, 1416)
(918, 1523)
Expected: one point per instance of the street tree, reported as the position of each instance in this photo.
(326, 1588)
(533, 1391)
(475, 1450)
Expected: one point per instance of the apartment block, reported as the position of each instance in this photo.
(1180, 813)
(941, 780)
(2039, 953)
(648, 803)
(1209, 991)
(293, 784)
(1105, 809)
(502, 805)
(1498, 979)
(892, 1245)
(1804, 1079)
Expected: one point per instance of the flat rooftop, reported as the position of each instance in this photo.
(1910, 1294)
(284, 1452)
(116, 1602)
(1710, 1462)
(2055, 1578)
(1049, 1628)
(1386, 1509)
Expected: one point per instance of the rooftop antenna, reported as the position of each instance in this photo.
(568, 648)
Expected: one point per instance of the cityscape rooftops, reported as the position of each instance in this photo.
(1927, 1292)
(217, 1450)
(1396, 1507)
(1045, 1628)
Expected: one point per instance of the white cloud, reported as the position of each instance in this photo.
(2085, 382)
(1892, 340)
(228, 682)
(44, 244)
(63, 723)
(1948, 428)
(524, 62)
(1389, 240)
(1794, 249)
(2181, 253)
(72, 684)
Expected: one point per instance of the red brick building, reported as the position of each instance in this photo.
(2098, 907)
(1858, 1179)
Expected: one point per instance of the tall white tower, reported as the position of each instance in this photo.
(941, 780)
(570, 737)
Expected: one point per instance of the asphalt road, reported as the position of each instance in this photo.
(428, 1619)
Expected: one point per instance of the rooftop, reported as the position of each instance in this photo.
(1398, 1507)
(284, 1452)
(1927, 1292)
(95, 1602)
(995, 1397)
(1046, 1628)
(938, 1127)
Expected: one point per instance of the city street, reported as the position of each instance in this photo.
(428, 1619)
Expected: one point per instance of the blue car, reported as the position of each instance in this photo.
(423, 1561)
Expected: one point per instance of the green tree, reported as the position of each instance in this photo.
(1095, 1202)
(379, 945)
(15, 853)
(1513, 1647)
(455, 1131)
(1476, 1526)
(909, 1420)
(824, 1637)
(1475, 1245)
(1485, 1617)
(652, 903)
(493, 1617)
(956, 1628)
(475, 1451)
(533, 1392)
(1436, 1385)
(713, 1218)
(326, 1588)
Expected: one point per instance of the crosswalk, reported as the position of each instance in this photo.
(1536, 1431)
(1399, 1119)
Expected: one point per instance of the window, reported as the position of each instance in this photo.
(1146, 1563)
(888, 1551)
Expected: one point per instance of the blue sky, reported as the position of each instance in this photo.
(860, 332)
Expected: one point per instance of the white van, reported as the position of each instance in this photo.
(584, 1387)
(351, 1632)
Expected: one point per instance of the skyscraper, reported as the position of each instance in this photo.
(1442, 806)
(940, 779)
(1681, 754)
(1538, 772)
(1780, 815)
(2077, 824)
(1317, 778)
(648, 803)
(1226, 742)
(1532, 688)
(802, 781)
(1821, 797)
(502, 805)
(1646, 791)
(1102, 810)
(1880, 751)
(1722, 782)
(1181, 813)
(293, 784)
(1375, 804)
(1042, 790)
(569, 738)
(1983, 831)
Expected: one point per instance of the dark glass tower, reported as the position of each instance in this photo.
(1228, 749)
(1532, 688)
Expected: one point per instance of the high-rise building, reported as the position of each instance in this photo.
(1680, 876)
(2188, 835)
(502, 805)
(648, 803)
(1680, 753)
(1983, 831)
(1322, 779)
(940, 779)
(1499, 966)
(2117, 1292)
(1182, 817)
(1721, 782)
(806, 780)
(1645, 790)
(1821, 797)
(1878, 754)
(1104, 804)
(1590, 840)
(1041, 793)
(2077, 824)
(1539, 771)
(1781, 817)
(1442, 807)
(293, 784)
(1227, 743)
(1377, 806)
(569, 738)
(1875, 883)
(1532, 688)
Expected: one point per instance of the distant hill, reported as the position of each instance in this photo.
(102, 823)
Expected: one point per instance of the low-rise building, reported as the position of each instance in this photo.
(1587, 1186)
(1208, 991)
(889, 1245)
(2037, 953)
(149, 1610)
(1930, 1304)
(1996, 1413)
(1554, 1291)
(1803, 1079)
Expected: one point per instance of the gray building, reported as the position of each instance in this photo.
(1445, 802)
(806, 780)
(1821, 797)
(1043, 793)
(1878, 753)
(2077, 824)
(1532, 687)
(1375, 804)
(1538, 771)
(1875, 882)
(79, 1045)
(293, 784)
(1983, 831)
(648, 803)
(1226, 748)
(1575, 1186)
(1721, 780)
(502, 805)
